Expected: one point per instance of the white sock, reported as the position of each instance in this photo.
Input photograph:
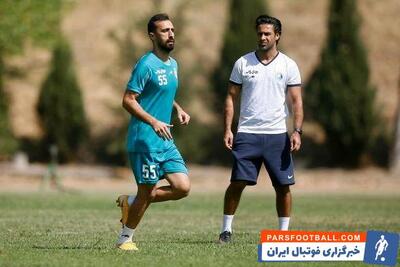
(227, 223)
(126, 235)
(284, 223)
(131, 198)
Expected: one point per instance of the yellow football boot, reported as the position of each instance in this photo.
(128, 246)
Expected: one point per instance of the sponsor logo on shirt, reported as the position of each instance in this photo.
(251, 73)
(160, 71)
(174, 72)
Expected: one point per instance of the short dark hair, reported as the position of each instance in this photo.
(265, 19)
(151, 26)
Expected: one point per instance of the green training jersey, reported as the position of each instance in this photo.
(156, 83)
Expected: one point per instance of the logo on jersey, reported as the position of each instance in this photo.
(174, 72)
(279, 76)
(160, 71)
(251, 73)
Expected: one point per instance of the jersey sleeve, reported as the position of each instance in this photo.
(294, 78)
(236, 74)
(141, 74)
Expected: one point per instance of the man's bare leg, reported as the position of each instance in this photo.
(179, 188)
(231, 203)
(232, 197)
(145, 195)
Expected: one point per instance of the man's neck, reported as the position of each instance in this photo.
(163, 55)
(266, 56)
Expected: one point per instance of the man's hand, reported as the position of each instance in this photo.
(162, 129)
(295, 141)
(183, 117)
(228, 139)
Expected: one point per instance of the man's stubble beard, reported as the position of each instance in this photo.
(165, 47)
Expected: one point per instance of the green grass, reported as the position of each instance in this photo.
(80, 230)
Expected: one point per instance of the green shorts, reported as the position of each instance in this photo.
(150, 167)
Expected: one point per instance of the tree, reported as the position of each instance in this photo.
(60, 105)
(395, 161)
(239, 38)
(33, 20)
(338, 95)
(7, 142)
(191, 139)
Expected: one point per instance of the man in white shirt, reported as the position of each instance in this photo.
(263, 78)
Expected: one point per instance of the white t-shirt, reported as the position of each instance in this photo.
(263, 107)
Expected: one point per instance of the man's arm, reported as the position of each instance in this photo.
(129, 102)
(229, 111)
(183, 117)
(298, 115)
(386, 244)
(377, 243)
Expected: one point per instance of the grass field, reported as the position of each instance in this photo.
(80, 230)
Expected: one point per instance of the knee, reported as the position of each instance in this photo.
(183, 193)
(282, 190)
(237, 186)
(152, 195)
(182, 190)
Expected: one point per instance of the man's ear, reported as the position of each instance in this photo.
(277, 37)
(151, 36)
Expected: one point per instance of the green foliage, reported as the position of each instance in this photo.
(60, 105)
(338, 95)
(8, 144)
(20, 20)
(33, 20)
(239, 38)
(191, 140)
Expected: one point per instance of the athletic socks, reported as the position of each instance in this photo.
(125, 235)
(227, 223)
(284, 223)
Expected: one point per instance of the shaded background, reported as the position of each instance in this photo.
(105, 38)
(63, 70)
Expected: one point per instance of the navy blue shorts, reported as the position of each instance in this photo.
(251, 150)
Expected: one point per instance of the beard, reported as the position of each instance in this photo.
(265, 47)
(168, 46)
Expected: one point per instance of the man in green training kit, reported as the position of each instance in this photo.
(149, 98)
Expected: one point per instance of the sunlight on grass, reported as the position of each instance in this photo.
(63, 229)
